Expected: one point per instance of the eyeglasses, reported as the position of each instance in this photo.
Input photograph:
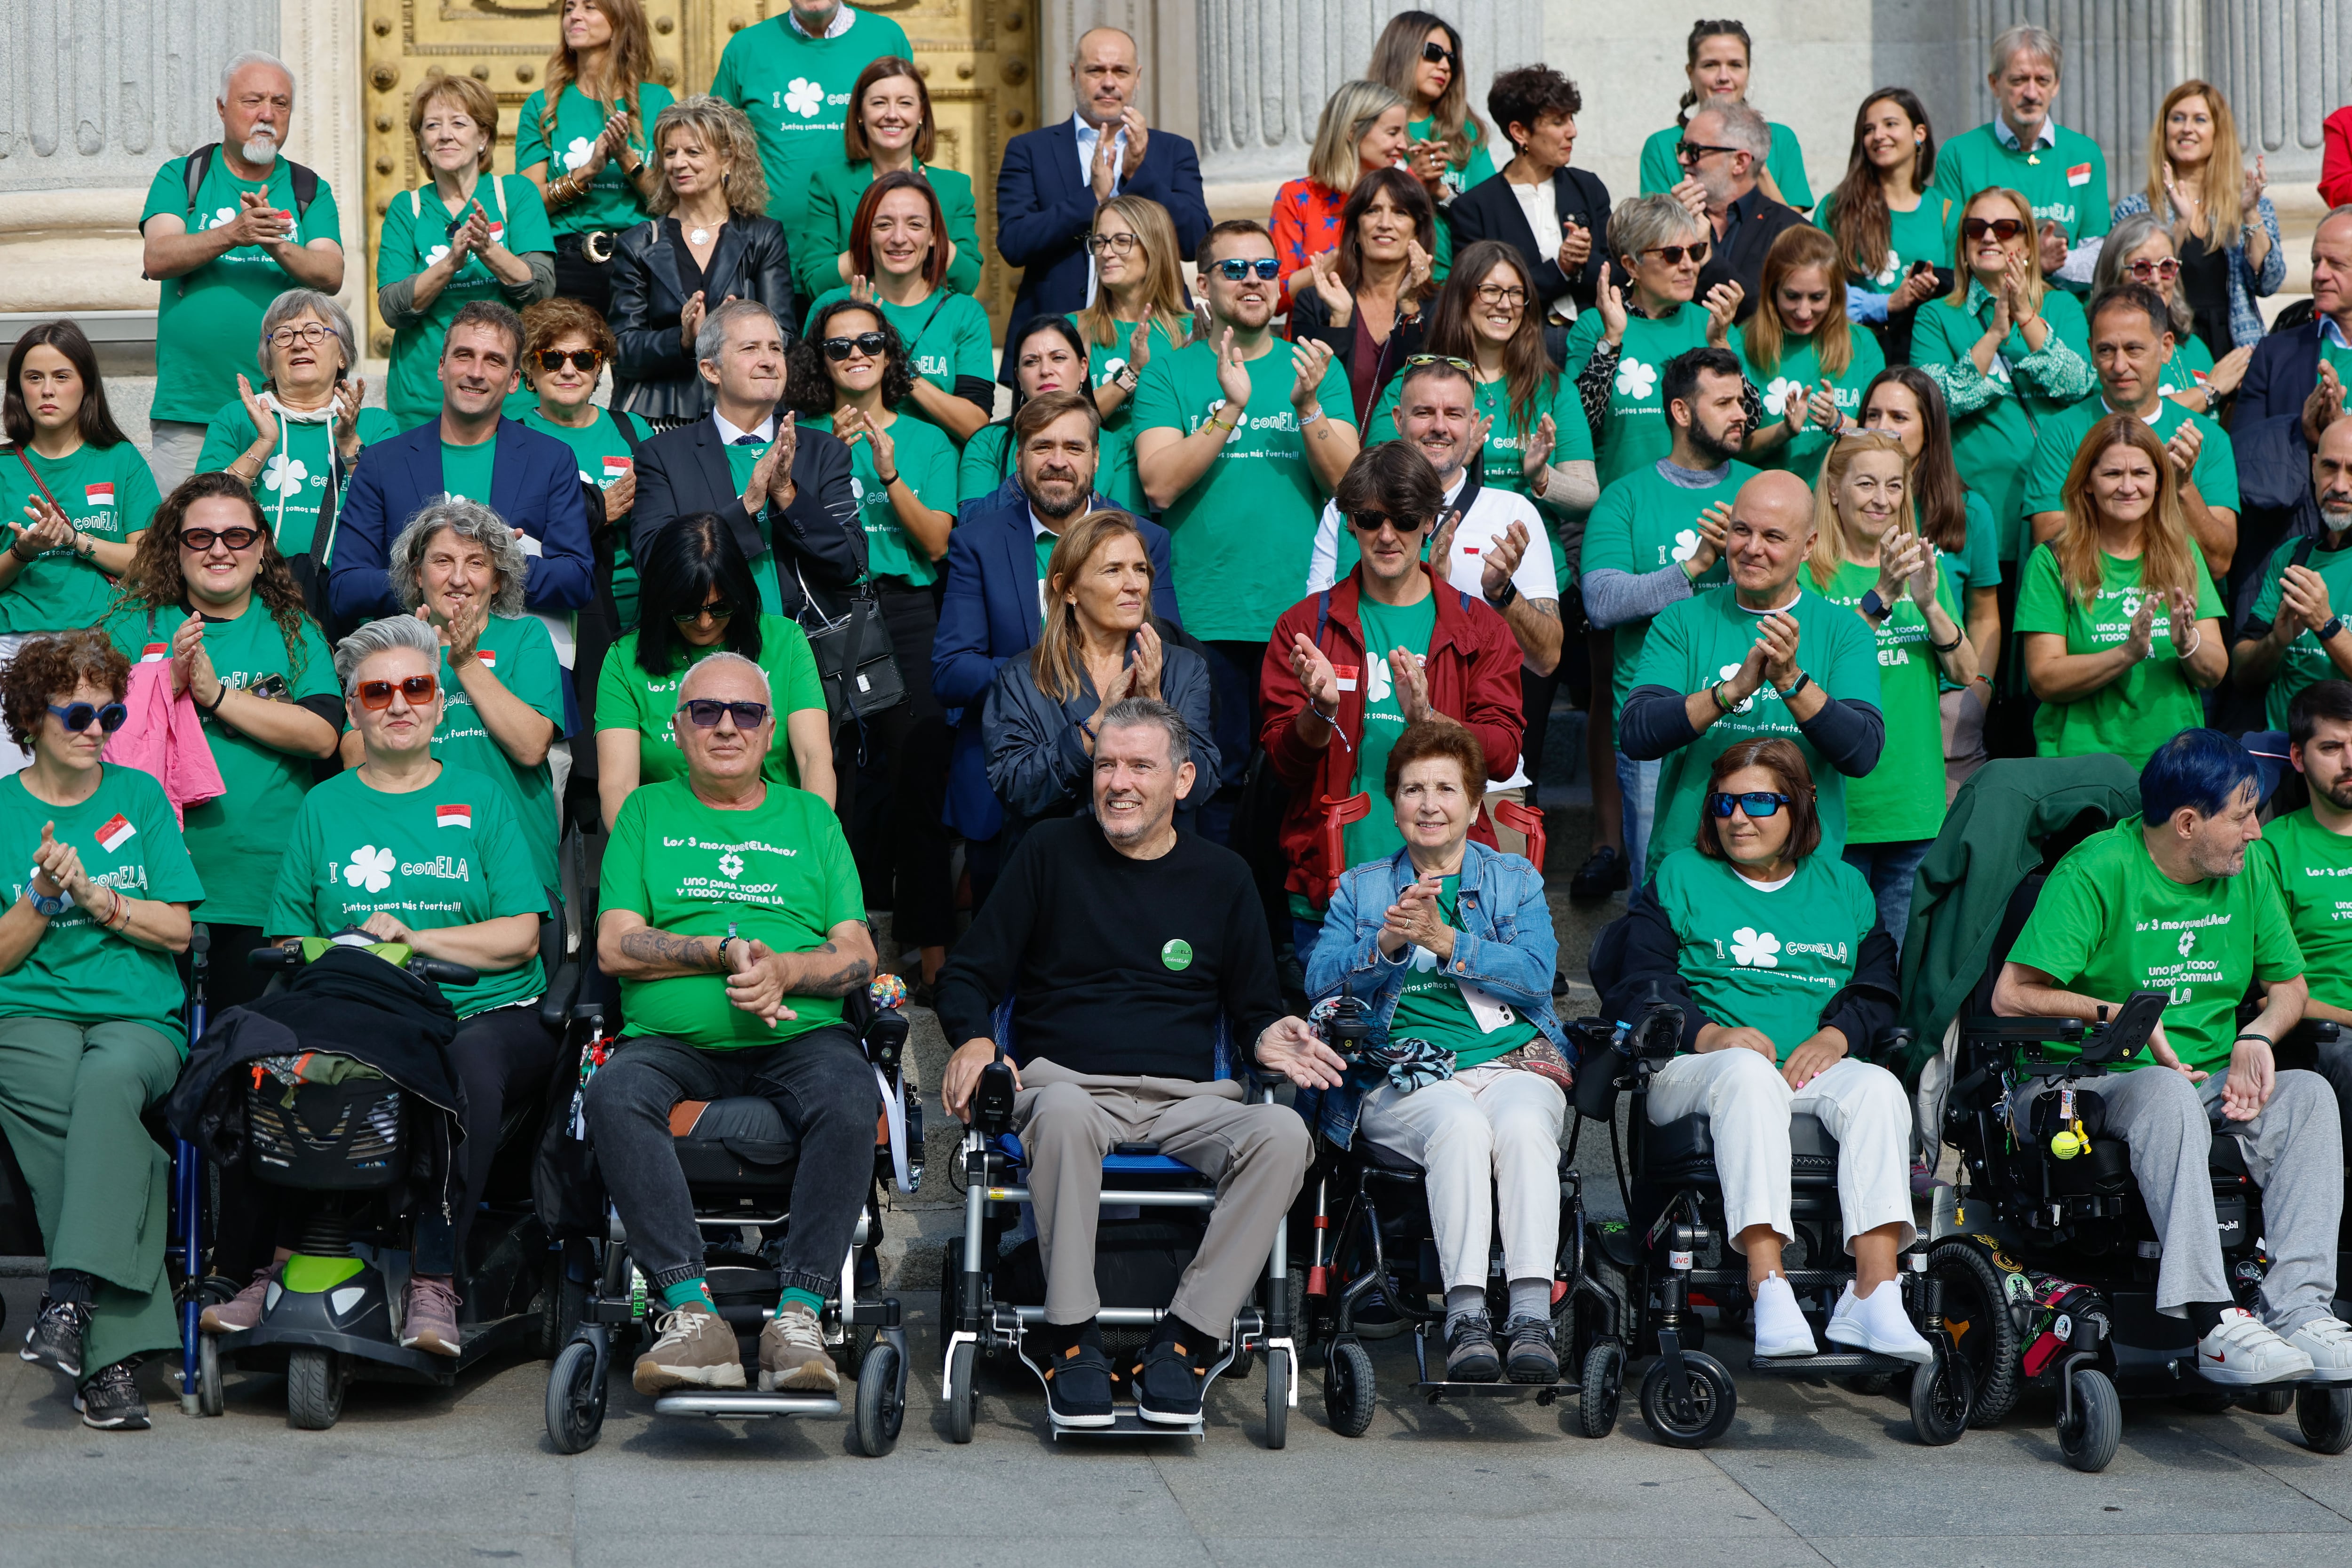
(1415, 361)
(1117, 244)
(417, 689)
(1692, 151)
(76, 715)
(1436, 53)
(1234, 269)
(717, 610)
(1672, 255)
(1756, 803)
(205, 538)
(2001, 228)
(2163, 272)
(1509, 294)
(308, 332)
(705, 710)
(582, 359)
(870, 344)
(1374, 521)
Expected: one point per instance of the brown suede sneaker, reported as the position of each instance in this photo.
(792, 1354)
(695, 1348)
(242, 1311)
(428, 1316)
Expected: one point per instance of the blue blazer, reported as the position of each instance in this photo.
(988, 615)
(2281, 373)
(534, 485)
(1045, 209)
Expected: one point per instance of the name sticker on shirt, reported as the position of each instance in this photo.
(99, 496)
(154, 653)
(116, 833)
(614, 467)
(2080, 174)
(1344, 675)
(488, 658)
(452, 817)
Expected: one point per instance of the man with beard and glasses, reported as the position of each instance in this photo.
(227, 229)
(1656, 537)
(1723, 151)
(2294, 635)
(2309, 853)
(994, 599)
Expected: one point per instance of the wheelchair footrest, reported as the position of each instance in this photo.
(1128, 1424)
(1842, 1363)
(1545, 1393)
(736, 1406)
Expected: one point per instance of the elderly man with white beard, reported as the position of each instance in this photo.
(2295, 634)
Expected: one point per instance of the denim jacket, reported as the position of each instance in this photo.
(1506, 947)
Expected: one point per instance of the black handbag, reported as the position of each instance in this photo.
(854, 657)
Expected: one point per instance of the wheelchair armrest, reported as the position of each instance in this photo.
(2325, 1031)
(275, 958)
(2024, 1031)
(555, 1009)
(886, 1040)
(1893, 1044)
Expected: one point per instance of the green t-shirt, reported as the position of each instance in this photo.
(927, 462)
(1765, 959)
(1977, 564)
(1801, 369)
(946, 336)
(834, 192)
(603, 453)
(78, 971)
(2312, 868)
(1640, 523)
(1240, 541)
(2066, 181)
(1912, 237)
(416, 234)
(2305, 660)
(107, 492)
(1993, 445)
(521, 654)
(1902, 798)
(293, 483)
(629, 699)
(1115, 476)
(1430, 1005)
(2190, 364)
(1459, 177)
(2137, 712)
(2110, 923)
(610, 203)
(1374, 836)
(986, 463)
(1786, 163)
(2331, 352)
(208, 322)
(2215, 472)
(1702, 640)
(780, 873)
(450, 854)
(796, 90)
(466, 471)
(237, 838)
(1634, 432)
(1572, 436)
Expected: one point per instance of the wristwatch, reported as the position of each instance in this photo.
(2329, 628)
(1502, 601)
(1873, 607)
(48, 907)
(1125, 378)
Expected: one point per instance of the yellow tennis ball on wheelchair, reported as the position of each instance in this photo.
(2068, 1144)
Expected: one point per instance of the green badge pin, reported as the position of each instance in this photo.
(1177, 953)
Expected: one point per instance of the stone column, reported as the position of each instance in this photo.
(320, 45)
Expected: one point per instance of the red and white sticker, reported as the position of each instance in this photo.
(614, 467)
(452, 817)
(99, 496)
(489, 660)
(1345, 676)
(2080, 174)
(117, 832)
(155, 652)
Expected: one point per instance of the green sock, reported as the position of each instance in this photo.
(687, 1292)
(809, 1298)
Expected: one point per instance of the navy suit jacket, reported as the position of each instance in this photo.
(988, 614)
(2284, 369)
(534, 485)
(1045, 209)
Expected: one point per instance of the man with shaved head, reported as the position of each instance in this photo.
(1761, 655)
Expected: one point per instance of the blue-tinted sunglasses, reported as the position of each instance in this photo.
(1234, 269)
(76, 715)
(1755, 803)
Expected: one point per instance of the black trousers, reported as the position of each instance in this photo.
(896, 819)
(502, 1060)
(577, 277)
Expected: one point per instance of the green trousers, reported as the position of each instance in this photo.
(69, 1102)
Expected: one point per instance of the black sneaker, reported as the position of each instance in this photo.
(1604, 871)
(109, 1400)
(1470, 1355)
(54, 1339)
(1078, 1384)
(1168, 1383)
(1532, 1358)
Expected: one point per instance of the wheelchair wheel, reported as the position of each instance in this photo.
(1348, 1389)
(962, 1402)
(2324, 1414)
(2269, 1401)
(1704, 1416)
(2089, 1440)
(1940, 1398)
(850, 1355)
(210, 1398)
(880, 1409)
(1976, 1314)
(314, 1389)
(561, 1304)
(575, 1399)
(1278, 1398)
(1603, 1383)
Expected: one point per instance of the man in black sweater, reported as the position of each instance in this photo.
(1123, 945)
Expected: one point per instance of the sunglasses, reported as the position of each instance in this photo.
(2166, 270)
(417, 689)
(1755, 803)
(1374, 521)
(717, 610)
(205, 538)
(705, 710)
(76, 715)
(1415, 361)
(2000, 228)
(1672, 255)
(1235, 269)
(1692, 151)
(870, 344)
(583, 360)
(1436, 53)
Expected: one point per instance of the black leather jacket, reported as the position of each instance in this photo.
(655, 377)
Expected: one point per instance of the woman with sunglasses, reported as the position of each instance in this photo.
(1786, 978)
(1868, 554)
(2007, 350)
(1889, 234)
(1366, 299)
(584, 140)
(1810, 361)
(565, 349)
(1139, 310)
(1715, 60)
(1362, 129)
(700, 598)
(2224, 231)
(412, 847)
(2139, 249)
(1050, 357)
(90, 1033)
(899, 247)
(889, 129)
(1418, 56)
(2119, 622)
(467, 235)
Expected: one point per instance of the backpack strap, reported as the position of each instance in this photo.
(199, 163)
(304, 179)
(2303, 549)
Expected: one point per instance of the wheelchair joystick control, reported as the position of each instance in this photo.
(991, 1101)
(1347, 1026)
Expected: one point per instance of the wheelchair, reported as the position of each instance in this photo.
(739, 1158)
(993, 1273)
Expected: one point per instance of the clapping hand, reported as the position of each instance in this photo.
(2325, 405)
(2053, 248)
(351, 396)
(1413, 920)
(2181, 606)
(779, 457)
(2249, 194)
(460, 634)
(2227, 372)
(1722, 303)
(1310, 361)
(1323, 269)
(1143, 671)
(690, 319)
(50, 528)
(1712, 527)
(192, 665)
(1821, 410)
(1411, 683)
(60, 865)
(1233, 378)
(1611, 302)
(1138, 347)
(1692, 194)
(1417, 268)
(1312, 668)
(2182, 448)
(2142, 635)
(258, 222)
(1575, 247)
(1102, 170)
(2303, 601)
(264, 421)
(1534, 452)
(608, 144)
(1914, 289)
(1777, 634)
(1501, 559)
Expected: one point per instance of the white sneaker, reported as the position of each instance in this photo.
(1876, 1323)
(1781, 1327)
(2328, 1343)
(2242, 1353)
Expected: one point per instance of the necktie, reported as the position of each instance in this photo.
(747, 441)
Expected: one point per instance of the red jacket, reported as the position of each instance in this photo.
(2335, 161)
(1474, 676)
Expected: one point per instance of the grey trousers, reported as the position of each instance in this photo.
(1257, 1155)
(2295, 1153)
(173, 447)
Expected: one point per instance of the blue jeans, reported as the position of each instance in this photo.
(1637, 783)
(1890, 870)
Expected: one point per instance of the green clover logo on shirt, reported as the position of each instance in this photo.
(371, 868)
(1757, 950)
(1636, 379)
(804, 97)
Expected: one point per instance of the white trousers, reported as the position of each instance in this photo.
(1486, 1132)
(1748, 1104)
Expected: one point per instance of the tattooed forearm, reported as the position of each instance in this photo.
(1548, 609)
(839, 981)
(650, 946)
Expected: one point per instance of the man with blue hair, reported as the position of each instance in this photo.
(2167, 901)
